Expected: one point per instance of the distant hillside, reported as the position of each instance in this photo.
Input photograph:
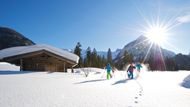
(142, 50)
(182, 61)
(139, 48)
(11, 38)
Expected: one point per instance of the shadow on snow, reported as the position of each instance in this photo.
(14, 72)
(121, 81)
(186, 82)
(89, 81)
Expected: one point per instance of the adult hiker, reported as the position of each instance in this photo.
(108, 68)
(130, 71)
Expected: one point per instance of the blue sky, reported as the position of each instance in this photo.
(100, 24)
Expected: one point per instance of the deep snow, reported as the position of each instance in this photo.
(4, 66)
(44, 89)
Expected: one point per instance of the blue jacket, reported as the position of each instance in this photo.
(108, 67)
(138, 66)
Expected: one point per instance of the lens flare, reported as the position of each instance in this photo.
(157, 34)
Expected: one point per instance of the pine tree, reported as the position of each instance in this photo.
(94, 58)
(88, 57)
(150, 61)
(104, 61)
(77, 51)
(128, 58)
(170, 64)
(100, 62)
(125, 59)
(109, 56)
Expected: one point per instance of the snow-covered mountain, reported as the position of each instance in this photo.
(12, 38)
(140, 47)
(115, 53)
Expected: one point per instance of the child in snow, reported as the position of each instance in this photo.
(130, 71)
(108, 68)
(138, 66)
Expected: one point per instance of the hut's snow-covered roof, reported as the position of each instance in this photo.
(14, 51)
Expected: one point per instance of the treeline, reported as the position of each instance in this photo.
(157, 61)
(154, 60)
(92, 59)
(162, 64)
(124, 61)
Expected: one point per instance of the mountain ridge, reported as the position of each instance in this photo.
(142, 47)
(12, 38)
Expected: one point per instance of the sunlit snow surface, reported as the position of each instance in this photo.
(45, 89)
(4, 66)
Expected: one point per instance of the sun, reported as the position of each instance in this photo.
(157, 34)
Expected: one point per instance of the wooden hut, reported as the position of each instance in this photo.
(39, 58)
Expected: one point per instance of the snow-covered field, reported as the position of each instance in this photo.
(44, 89)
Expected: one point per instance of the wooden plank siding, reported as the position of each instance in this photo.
(41, 61)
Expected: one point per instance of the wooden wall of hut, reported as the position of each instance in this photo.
(44, 62)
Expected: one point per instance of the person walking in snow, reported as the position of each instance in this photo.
(130, 71)
(108, 68)
(138, 66)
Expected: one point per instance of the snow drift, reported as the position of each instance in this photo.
(186, 82)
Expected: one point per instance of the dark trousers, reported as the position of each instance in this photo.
(130, 74)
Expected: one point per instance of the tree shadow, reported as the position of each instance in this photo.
(121, 81)
(14, 72)
(89, 81)
(186, 82)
